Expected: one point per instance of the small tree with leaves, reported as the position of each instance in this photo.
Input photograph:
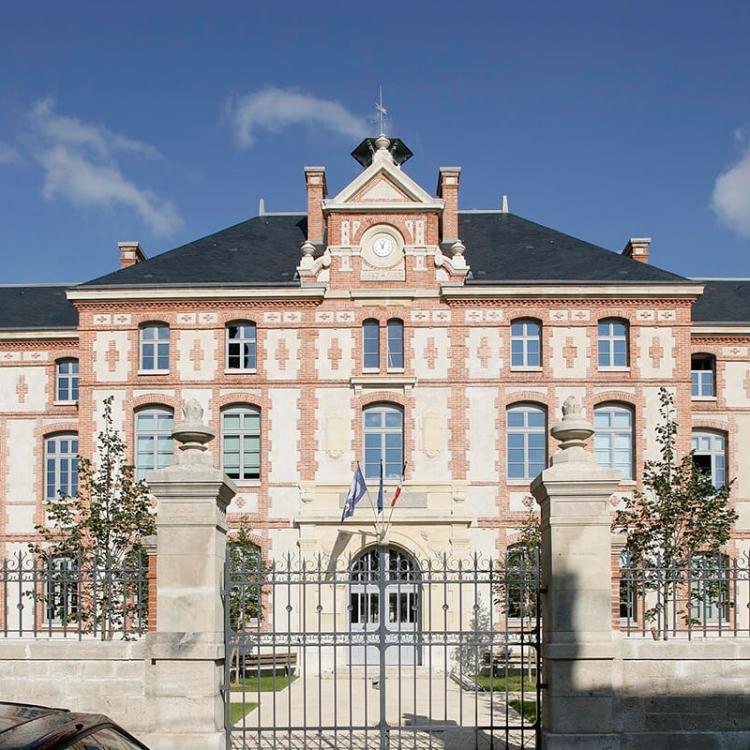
(99, 531)
(680, 515)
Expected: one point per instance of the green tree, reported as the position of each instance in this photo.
(678, 518)
(99, 533)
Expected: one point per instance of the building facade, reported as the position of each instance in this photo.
(383, 326)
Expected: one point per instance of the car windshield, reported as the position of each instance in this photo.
(104, 739)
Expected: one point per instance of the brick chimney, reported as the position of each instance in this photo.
(130, 253)
(637, 249)
(315, 177)
(448, 191)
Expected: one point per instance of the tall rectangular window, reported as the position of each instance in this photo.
(527, 441)
(371, 345)
(384, 441)
(241, 346)
(613, 343)
(613, 438)
(155, 347)
(61, 589)
(240, 442)
(525, 343)
(67, 380)
(61, 458)
(709, 455)
(702, 375)
(153, 440)
(395, 344)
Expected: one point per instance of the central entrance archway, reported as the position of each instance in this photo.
(385, 592)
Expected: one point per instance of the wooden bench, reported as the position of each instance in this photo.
(269, 663)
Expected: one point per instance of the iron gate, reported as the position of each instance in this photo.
(381, 650)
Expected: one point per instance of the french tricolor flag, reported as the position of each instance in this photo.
(400, 487)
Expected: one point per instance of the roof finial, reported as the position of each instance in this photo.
(382, 112)
(504, 208)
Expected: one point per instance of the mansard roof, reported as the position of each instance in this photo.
(39, 306)
(500, 247)
(723, 301)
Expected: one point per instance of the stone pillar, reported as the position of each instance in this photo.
(187, 651)
(577, 648)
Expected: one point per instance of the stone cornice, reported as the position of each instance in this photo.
(193, 293)
(584, 291)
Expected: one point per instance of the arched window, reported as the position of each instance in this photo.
(154, 347)
(702, 375)
(709, 455)
(66, 380)
(525, 343)
(613, 343)
(613, 437)
(395, 344)
(709, 588)
(384, 441)
(527, 441)
(371, 345)
(61, 465)
(240, 442)
(61, 582)
(628, 595)
(241, 346)
(153, 439)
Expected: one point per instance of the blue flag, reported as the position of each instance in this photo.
(380, 490)
(356, 493)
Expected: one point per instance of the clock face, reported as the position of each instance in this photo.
(383, 245)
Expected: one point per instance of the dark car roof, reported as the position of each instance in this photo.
(30, 727)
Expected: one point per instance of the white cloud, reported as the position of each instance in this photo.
(79, 165)
(8, 154)
(274, 108)
(731, 196)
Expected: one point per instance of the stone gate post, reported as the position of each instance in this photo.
(187, 650)
(577, 648)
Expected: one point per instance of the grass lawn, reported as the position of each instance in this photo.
(238, 710)
(253, 684)
(529, 708)
(513, 683)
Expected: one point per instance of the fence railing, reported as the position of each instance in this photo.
(62, 597)
(706, 596)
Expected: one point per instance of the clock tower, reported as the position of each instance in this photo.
(382, 229)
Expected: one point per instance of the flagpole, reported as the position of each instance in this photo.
(367, 492)
(393, 505)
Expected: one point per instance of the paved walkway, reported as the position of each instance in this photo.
(422, 711)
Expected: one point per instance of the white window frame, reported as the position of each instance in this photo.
(610, 337)
(698, 378)
(372, 471)
(60, 590)
(613, 433)
(717, 452)
(243, 435)
(154, 347)
(157, 437)
(373, 325)
(395, 342)
(526, 432)
(247, 338)
(60, 463)
(525, 338)
(66, 381)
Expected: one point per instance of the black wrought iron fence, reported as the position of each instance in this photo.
(706, 596)
(62, 597)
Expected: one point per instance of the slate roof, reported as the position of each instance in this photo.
(723, 301)
(261, 251)
(41, 306)
(499, 248)
(508, 248)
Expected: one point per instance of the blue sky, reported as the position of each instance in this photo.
(163, 122)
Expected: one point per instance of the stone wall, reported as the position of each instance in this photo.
(89, 676)
(687, 694)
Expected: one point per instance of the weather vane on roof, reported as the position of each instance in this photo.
(382, 112)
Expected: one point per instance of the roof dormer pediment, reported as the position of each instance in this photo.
(381, 184)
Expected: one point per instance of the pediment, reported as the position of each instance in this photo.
(383, 182)
(381, 189)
